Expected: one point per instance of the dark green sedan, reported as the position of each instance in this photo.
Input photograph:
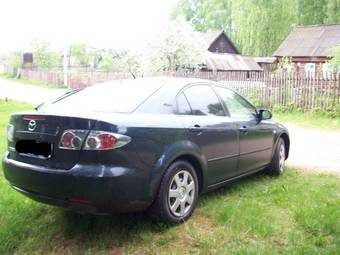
(151, 144)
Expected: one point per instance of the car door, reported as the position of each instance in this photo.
(208, 126)
(255, 138)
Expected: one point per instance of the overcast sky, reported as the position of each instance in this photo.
(102, 23)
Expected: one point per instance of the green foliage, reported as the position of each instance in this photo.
(332, 11)
(335, 61)
(257, 26)
(43, 56)
(311, 12)
(84, 55)
(316, 118)
(106, 62)
(80, 54)
(113, 61)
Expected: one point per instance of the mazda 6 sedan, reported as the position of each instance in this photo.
(150, 144)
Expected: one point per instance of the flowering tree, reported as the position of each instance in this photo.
(176, 47)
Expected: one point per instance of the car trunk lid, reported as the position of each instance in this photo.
(36, 138)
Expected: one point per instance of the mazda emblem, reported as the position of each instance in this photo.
(32, 125)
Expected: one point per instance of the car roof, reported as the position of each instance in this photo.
(171, 82)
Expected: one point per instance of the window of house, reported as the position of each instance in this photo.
(310, 69)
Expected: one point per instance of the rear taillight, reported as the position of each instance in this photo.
(72, 139)
(95, 140)
(100, 140)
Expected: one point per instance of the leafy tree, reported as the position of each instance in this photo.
(84, 55)
(206, 15)
(80, 54)
(332, 11)
(257, 27)
(43, 57)
(106, 63)
(311, 12)
(177, 47)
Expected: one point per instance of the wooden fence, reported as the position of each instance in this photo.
(266, 89)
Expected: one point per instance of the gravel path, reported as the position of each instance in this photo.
(27, 93)
(314, 149)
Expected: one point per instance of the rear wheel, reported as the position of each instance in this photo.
(277, 164)
(178, 193)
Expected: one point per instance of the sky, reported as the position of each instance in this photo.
(125, 24)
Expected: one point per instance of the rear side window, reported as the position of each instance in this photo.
(203, 101)
(115, 96)
(183, 106)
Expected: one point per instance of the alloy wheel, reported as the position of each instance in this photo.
(181, 194)
(282, 156)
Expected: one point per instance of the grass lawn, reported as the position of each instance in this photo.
(298, 213)
(31, 82)
(308, 119)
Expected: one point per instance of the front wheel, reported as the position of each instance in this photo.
(178, 193)
(277, 164)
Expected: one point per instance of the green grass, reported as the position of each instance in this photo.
(31, 82)
(298, 213)
(318, 120)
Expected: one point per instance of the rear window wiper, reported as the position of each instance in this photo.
(68, 93)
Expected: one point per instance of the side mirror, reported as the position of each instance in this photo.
(265, 114)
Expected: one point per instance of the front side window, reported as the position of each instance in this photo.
(237, 106)
(203, 101)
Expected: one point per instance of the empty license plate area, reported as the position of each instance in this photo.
(34, 148)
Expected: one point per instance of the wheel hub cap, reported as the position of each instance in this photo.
(181, 192)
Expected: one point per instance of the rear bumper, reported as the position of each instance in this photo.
(87, 188)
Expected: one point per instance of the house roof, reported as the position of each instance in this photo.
(230, 62)
(210, 37)
(310, 41)
(265, 60)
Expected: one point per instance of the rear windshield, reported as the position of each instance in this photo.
(115, 96)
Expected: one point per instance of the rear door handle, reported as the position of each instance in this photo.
(243, 129)
(196, 129)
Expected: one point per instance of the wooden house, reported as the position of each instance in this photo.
(309, 47)
(222, 54)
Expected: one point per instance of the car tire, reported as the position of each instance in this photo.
(277, 164)
(177, 195)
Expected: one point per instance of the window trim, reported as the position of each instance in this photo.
(177, 105)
